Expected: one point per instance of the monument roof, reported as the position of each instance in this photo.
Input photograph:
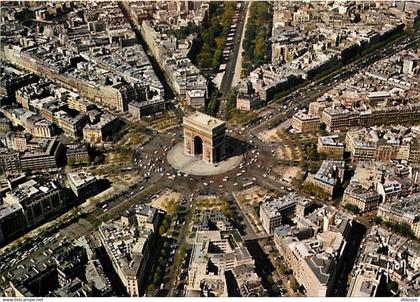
(204, 120)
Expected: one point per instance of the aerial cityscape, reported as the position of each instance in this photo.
(210, 149)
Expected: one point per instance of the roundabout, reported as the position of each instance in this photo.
(196, 166)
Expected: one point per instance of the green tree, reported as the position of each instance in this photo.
(151, 289)
(162, 230)
(377, 220)
(213, 105)
(161, 260)
(205, 57)
(259, 50)
(256, 36)
(166, 222)
(166, 245)
(353, 208)
(403, 229)
(181, 252)
(312, 152)
(156, 278)
(97, 159)
(392, 286)
(217, 58)
(388, 224)
(70, 162)
(230, 104)
(212, 35)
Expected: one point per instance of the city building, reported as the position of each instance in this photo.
(98, 132)
(212, 221)
(317, 249)
(276, 212)
(173, 59)
(385, 257)
(383, 143)
(338, 119)
(196, 98)
(129, 244)
(328, 177)
(71, 270)
(145, 108)
(42, 154)
(15, 141)
(303, 122)
(368, 281)
(406, 210)
(83, 184)
(361, 190)
(53, 62)
(4, 125)
(249, 283)
(331, 146)
(9, 160)
(77, 154)
(247, 102)
(213, 254)
(365, 199)
(40, 201)
(12, 222)
(374, 183)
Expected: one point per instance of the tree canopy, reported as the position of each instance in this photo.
(256, 41)
(213, 105)
(213, 34)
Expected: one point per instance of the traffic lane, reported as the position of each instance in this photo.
(230, 66)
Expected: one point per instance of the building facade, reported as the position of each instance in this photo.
(204, 136)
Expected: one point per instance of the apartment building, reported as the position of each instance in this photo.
(317, 249)
(303, 122)
(328, 177)
(39, 201)
(331, 146)
(213, 254)
(403, 211)
(42, 154)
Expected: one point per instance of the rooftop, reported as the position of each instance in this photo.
(204, 120)
(81, 178)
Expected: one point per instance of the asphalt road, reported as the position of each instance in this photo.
(238, 68)
(230, 66)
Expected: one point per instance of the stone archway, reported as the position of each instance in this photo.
(198, 146)
(204, 137)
